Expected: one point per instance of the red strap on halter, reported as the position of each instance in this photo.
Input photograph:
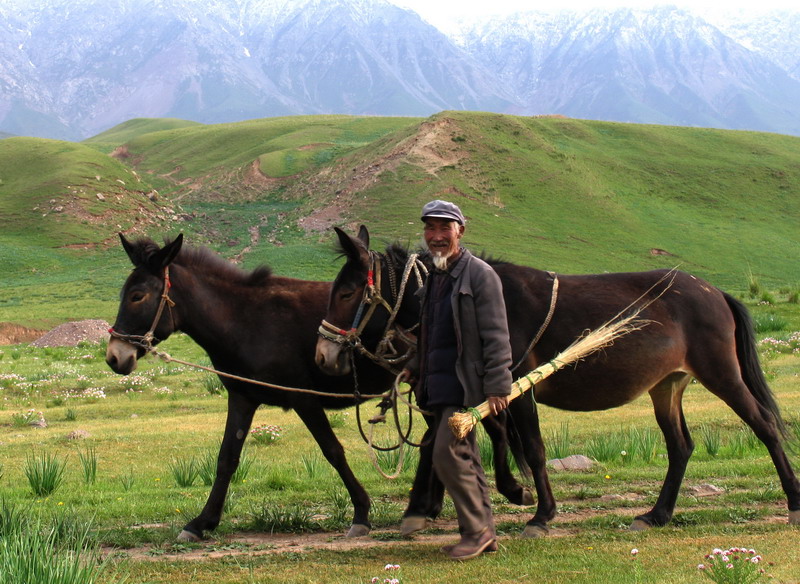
(370, 279)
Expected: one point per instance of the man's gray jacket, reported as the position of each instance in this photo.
(481, 326)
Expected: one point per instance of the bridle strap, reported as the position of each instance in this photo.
(146, 341)
(545, 324)
(384, 355)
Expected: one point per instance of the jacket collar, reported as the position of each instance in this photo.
(461, 264)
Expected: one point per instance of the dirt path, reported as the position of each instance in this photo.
(442, 532)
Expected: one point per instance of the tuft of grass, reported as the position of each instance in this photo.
(558, 441)
(213, 384)
(246, 461)
(711, 439)
(294, 518)
(184, 471)
(127, 481)
(313, 465)
(769, 322)
(207, 467)
(45, 473)
(88, 460)
(36, 552)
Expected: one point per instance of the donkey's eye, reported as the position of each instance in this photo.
(347, 295)
(137, 296)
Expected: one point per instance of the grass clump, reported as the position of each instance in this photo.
(45, 473)
(34, 551)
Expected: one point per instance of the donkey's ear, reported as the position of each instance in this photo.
(363, 235)
(350, 246)
(163, 257)
(128, 247)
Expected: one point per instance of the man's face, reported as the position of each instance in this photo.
(442, 237)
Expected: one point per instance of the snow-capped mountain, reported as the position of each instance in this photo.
(72, 68)
(661, 65)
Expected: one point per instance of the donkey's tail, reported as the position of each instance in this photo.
(516, 447)
(749, 364)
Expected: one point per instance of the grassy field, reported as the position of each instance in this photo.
(569, 195)
(573, 196)
(143, 432)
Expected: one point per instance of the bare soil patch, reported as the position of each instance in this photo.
(14, 334)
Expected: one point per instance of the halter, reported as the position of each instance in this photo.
(385, 355)
(145, 341)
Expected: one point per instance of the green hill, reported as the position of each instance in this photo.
(59, 194)
(569, 195)
(585, 196)
(129, 130)
(213, 161)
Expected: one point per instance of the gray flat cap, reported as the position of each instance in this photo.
(443, 210)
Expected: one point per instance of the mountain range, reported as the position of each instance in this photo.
(70, 69)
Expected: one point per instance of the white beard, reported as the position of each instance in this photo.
(440, 260)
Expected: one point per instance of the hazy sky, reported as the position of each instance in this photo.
(440, 12)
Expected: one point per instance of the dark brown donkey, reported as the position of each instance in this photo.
(695, 330)
(253, 325)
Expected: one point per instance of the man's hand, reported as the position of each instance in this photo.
(497, 403)
(407, 377)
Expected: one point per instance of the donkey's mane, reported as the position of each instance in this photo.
(217, 267)
(211, 264)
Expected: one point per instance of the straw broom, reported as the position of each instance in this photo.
(462, 423)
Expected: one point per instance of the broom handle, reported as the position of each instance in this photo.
(462, 423)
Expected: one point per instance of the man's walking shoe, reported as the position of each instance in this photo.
(473, 545)
(446, 549)
(413, 524)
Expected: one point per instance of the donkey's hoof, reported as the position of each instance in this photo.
(639, 525)
(535, 531)
(794, 517)
(358, 530)
(527, 497)
(412, 524)
(188, 536)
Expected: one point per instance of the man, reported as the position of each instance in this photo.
(463, 359)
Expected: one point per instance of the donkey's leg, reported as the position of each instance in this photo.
(507, 484)
(666, 397)
(524, 416)
(237, 426)
(316, 421)
(427, 491)
(764, 426)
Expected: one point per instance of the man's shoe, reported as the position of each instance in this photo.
(413, 524)
(473, 545)
(449, 548)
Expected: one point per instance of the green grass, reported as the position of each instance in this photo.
(118, 135)
(48, 194)
(586, 196)
(284, 146)
(574, 196)
(570, 195)
(135, 503)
